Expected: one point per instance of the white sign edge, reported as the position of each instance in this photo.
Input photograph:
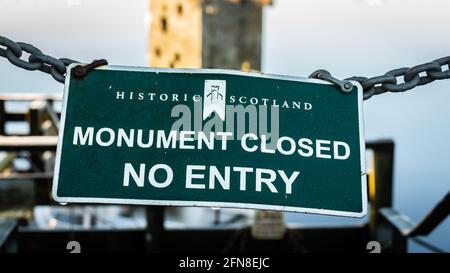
(207, 203)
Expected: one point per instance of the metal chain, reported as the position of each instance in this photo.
(36, 60)
(397, 80)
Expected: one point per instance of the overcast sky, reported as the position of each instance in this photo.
(348, 37)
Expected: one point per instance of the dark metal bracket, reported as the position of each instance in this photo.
(345, 85)
(80, 71)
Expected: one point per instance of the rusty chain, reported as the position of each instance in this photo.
(397, 80)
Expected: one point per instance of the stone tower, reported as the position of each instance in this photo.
(206, 33)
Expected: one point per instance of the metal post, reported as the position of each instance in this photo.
(155, 228)
(380, 184)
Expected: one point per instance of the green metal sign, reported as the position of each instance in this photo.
(211, 138)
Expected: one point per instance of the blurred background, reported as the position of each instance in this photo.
(347, 37)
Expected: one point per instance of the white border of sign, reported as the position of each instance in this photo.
(205, 203)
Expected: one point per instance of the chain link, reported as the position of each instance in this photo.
(37, 60)
(397, 80)
(403, 79)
